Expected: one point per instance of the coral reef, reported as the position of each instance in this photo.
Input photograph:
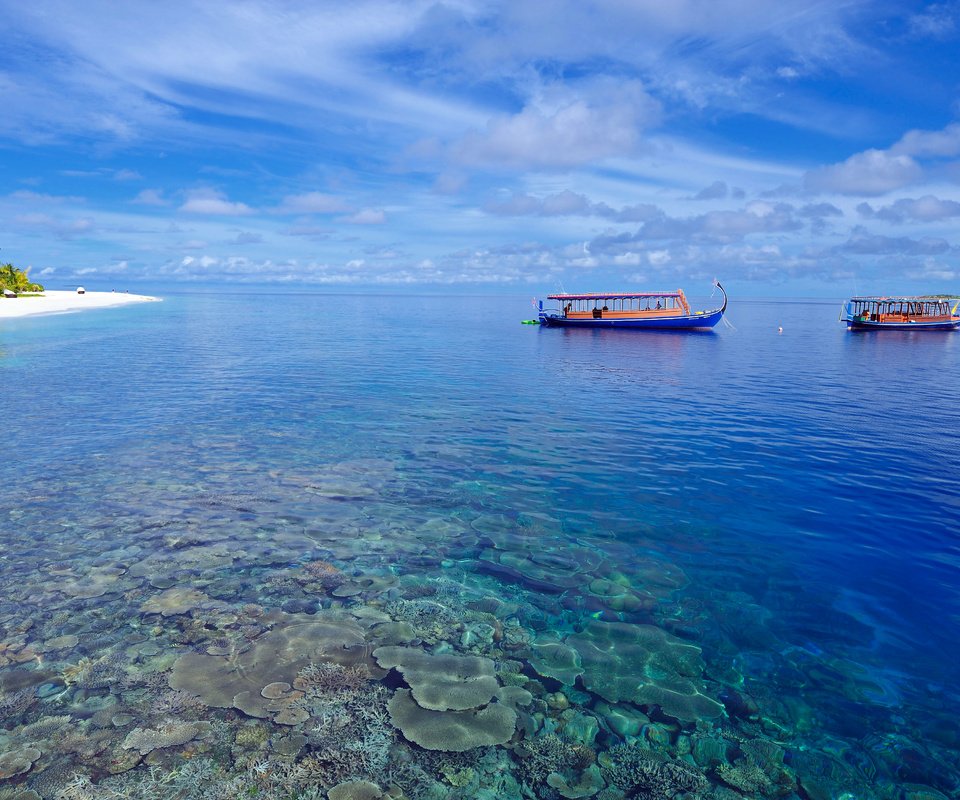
(170, 734)
(219, 648)
(636, 769)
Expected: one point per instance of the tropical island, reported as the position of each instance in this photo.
(16, 281)
(21, 297)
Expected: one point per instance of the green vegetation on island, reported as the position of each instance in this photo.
(16, 280)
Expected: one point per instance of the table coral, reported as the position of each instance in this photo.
(644, 665)
(16, 762)
(453, 731)
(178, 600)
(442, 682)
(170, 734)
(553, 659)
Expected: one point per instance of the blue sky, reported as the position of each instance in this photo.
(480, 145)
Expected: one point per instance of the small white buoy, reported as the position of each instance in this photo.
(780, 329)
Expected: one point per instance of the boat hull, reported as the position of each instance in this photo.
(945, 325)
(705, 319)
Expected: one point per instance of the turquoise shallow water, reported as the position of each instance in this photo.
(718, 564)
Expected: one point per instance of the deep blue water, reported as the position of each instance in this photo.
(804, 485)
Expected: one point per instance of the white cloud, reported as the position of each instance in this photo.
(930, 144)
(450, 183)
(924, 209)
(820, 210)
(151, 197)
(368, 216)
(567, 203)
(245, 237)
(210, 201)
(35, 198)
(715, 191)
(936, 22)
(308, 230)
(872, 172)
(61, 228)
(720, 226)
(312, 203)
(564, 129)
(864, 242)
(117, 268)
(561, 204)
(659, 258)
(931, 270)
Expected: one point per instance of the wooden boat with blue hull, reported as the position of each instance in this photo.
(630, 310)
(901, 313)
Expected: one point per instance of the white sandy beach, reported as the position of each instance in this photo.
(60, 302)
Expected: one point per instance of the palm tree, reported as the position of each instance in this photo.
(16, 280)
(9, 276)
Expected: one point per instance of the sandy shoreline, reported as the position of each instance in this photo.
(60, 302)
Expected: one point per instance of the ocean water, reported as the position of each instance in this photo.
(717, 564)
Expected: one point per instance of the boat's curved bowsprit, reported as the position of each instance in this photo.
(724, 306)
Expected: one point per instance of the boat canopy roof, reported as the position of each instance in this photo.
(903, 299)
(613, 295)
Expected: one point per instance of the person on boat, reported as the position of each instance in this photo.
(658, 305)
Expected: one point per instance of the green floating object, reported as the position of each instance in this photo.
(530, 322)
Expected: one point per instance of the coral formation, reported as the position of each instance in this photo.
(645, 665)
(177, 600)
(16, 762)
(442, 682)
(586, 784)
(16, 703)
(455, 731)
(100, 673)
(329, 679)
(170, 734)
(636, 769)
(277, 656)
(552, 658)
(355, 790)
